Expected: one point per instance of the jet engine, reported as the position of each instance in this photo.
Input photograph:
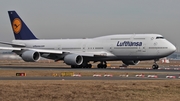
(73, 59)
(133, 62)
(30, 56)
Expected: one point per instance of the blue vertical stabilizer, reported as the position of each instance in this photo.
(21, 31)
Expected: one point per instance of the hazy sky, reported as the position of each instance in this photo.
(92, 18)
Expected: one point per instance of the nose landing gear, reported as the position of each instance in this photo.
(155, 65)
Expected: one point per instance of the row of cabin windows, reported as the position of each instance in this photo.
(83, 48)
(160, 37)
(117, 48)
(158, 47)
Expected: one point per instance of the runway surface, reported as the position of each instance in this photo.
(164, 69)
(76, 78)
(161, 74)
(160, 77)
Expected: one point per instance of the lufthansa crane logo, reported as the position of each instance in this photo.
(16, 25)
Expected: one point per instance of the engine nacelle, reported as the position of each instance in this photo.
(133, 62)
(73, 59)
(30, 56)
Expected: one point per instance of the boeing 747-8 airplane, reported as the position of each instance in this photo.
(129, 48)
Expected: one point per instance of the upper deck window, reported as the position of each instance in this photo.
(159, 37)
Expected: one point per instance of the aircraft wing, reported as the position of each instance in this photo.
(12, 44)
(38, 50)
(86, 54)
(10, 48)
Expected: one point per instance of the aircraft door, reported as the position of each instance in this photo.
(141, 50)
(59, 47)
(84, 48)
(155, 45)
(111, 48)
(144, 48)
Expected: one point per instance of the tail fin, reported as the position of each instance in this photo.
(21, 31)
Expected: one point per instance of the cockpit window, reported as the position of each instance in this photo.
(159, 37)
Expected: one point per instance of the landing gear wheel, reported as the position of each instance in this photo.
(104, 65)
(76, 66)
(155, 66)
(101, 65)
(89, 66)
(86, 65)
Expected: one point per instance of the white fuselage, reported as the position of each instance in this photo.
(117, 47)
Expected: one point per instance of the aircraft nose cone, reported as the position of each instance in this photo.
(172, 48)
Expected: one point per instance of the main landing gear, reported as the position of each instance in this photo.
(82, 66)
(102, 64)
(155, 65)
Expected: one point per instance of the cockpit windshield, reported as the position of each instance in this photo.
(159, 37)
